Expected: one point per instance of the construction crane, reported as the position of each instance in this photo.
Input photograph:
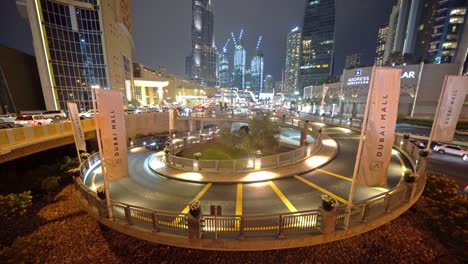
(233, 39)
(225, 45)
(259, 42)
(241, 35)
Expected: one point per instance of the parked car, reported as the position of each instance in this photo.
(156, 142)
(9, 118)
(32, 120)
(56, 114)
(87, 114)
(453, 150)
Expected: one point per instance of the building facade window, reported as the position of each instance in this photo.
(74, 39)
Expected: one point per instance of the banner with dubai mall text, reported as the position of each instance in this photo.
(380, 130)
(451, 102)
(78, 132)
(111, 125)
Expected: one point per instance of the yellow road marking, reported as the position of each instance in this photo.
(315, 186)
(282, 197)
(335, 175)
(337, 132)
(199, 195)
(239, 199)
(346, 137)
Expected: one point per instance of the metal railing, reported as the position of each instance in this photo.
(310, 222)
(238, 165)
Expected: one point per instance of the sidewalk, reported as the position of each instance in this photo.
(325, 153)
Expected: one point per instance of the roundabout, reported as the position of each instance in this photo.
(156, 195)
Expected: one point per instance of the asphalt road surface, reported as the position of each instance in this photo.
(303, 192)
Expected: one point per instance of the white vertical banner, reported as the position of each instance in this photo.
(379, 132)
(222, 97)
(111, 126)
(171, 120)
(324, 94)
(452, 98)
(78, 132)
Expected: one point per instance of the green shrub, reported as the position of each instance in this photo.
(29, 249)
(15, 204)
(445, 209)
(50, 184)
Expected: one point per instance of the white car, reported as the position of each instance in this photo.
(55, 114)
(454, 150)
(32, 120)
(7, 118)
(87, 114)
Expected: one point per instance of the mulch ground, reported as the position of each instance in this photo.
(58, 231)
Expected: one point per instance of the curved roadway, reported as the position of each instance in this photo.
(146, 189)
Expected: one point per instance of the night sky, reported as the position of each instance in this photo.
(162, 29)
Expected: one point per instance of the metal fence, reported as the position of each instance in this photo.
(309, 222)
(237, 165)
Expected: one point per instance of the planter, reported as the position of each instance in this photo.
(406, 135)
(327, 206)
(195, 208)
(101, 193)
(328, 203)
(409, 177)
(423, 153)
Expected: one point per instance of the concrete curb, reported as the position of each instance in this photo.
(257, 176)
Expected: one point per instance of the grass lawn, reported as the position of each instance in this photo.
(217, 150)
(213, 150)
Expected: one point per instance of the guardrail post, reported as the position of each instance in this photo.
(328, 220)
(363, 213)
(387, 202)
(128, 215)
(281, 227)
(194, 227)
(154, 217)
(241, 229)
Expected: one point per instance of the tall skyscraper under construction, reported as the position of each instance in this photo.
(239, 61)
(223, 68)
(257, 69)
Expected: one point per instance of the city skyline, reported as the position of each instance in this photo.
(168, 46)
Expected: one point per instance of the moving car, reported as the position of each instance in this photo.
(453, 150)
(32, 120)
(56, 114)
(87, 114)
(156, 142)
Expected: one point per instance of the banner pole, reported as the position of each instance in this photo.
(74, 137)
(101, 155)
(359, 152)
(436, 117)
(413, 107)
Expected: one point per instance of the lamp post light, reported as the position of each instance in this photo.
(258, 161)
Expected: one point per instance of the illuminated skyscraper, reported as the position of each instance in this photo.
(239, 62)
(79, 44)
(204, 53)
(353, 60)
(223, 70)
(256, 70)
(293, 56)
(317, 41)
(449, 35)
(380, 49)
